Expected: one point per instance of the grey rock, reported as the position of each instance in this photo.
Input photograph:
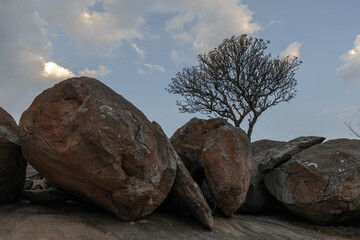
(283, 153)
(322, 183)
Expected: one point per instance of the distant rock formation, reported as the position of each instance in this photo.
(321, 183)
(92, 143)
(220, 153)
(268, 154)
(12, 163)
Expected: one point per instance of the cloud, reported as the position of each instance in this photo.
(202, 23)
(52, 70)
(150, 68)
(155, 67)
(140, 52)
(102, 71)
(206, 23)
(293, 50)
(23, 46)
(349, 72)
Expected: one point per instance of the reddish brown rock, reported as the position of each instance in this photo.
(187, 195)
(93, 143)
(12, 163)
(221, 153)
(321, 183)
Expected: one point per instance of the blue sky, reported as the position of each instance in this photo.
(136, 47)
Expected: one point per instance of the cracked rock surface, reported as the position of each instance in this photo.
(12, 163)
(94, 144)
(215, 150)
(322, 183)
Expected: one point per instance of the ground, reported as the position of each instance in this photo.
(74, 221)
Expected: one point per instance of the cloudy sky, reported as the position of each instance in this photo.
(137, 46)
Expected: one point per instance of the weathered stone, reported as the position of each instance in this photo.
(50, 195)
(219, 152)
(258, 198)
(321, 183)
(94, 144)
(12, 163)
(187, 194)
(283, 153)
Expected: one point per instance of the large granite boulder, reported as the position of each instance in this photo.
(321, 183)
(215, 150)
(12, 163)
(266, 155)
(91, 142)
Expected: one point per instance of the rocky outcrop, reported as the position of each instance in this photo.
(187, 195)
(12, 163)
(83, 222)
(94, 144)
(321, 183)
(219, 152)
(281, 154)
(258, 198)
(266, 155)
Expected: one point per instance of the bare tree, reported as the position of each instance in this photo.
(354, 132)
(236, 80)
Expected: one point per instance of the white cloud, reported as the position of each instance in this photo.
(52, 70)
(207, 22)
(293, 50)
(102, 71)
(155, 67)
(349, 72)
(23, 45)
(202, 23)
(140, 52)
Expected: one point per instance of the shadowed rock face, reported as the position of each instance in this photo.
(12, 163)
(187, 195)
(266, 155)
(91, 142)
(219, 152)
(258, 198)
(321, 183)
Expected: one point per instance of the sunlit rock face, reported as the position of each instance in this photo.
(12, 163)
(321, 183)
(93, 143)
(218, 155)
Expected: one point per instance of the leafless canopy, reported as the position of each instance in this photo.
(352, 129)
(236, 80)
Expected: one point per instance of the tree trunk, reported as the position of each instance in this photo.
(251, 126)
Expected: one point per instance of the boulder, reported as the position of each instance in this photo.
(215, 150)
(258, 198)
(266, 155)
(321, 183)
(94, 144)
(283, 153)
(187, 195)
(12, 163)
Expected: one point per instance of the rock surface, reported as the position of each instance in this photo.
(258, 198)
(321, 183)
(281, 154)
(71, 221)
(219, 152)
(187, 195)
(12, 163)
(94, 144)
(266, 155)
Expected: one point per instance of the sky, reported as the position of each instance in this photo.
(136, 47)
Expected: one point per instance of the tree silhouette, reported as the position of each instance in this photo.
(236, 80)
